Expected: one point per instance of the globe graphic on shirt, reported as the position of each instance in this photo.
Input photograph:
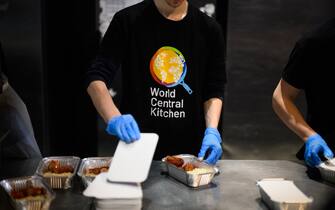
(167, 66)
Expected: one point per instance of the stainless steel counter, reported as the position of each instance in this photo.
(234, 188)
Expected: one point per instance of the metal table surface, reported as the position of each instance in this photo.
(234, 188)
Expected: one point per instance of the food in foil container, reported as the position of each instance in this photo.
(189, 167)
(178, 162)
(189, 170)
(54, 168)
(58, 171)
(92, 167)
(200, 171)
(28, 193)
(96, 171)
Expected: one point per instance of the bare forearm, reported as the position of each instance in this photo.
(212, 111)
(102, 100)
(288, 112)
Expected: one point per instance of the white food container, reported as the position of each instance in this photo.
(281, 194)
(109, 195)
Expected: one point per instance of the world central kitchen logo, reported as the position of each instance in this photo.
(168, 68)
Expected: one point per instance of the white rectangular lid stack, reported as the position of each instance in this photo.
(131, 162)
(283, 191)
(100, 188)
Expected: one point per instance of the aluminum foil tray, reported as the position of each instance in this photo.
(59, 181)
(89, 163)
(28, 204)
(193, 180)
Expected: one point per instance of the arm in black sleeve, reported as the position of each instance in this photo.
(110, 55)
(215, 78)
(296, 71)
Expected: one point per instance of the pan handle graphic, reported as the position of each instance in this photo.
(187, 88)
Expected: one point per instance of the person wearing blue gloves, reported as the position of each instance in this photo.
(310, 69)
(173, 76)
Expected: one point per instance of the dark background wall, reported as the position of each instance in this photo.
(71, 41)
(48, 46)
(21, 37)
(261, 34)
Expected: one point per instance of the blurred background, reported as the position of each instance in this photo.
(48, 46)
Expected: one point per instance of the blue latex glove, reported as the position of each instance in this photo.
(315, 145)
(212, 140)
(124, 127)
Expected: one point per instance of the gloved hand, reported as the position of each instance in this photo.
(124, 127)
(212, 140)
(315, 145)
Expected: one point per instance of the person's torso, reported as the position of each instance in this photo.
(161, 57)
(320, 89)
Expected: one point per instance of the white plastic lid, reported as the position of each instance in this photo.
(100, 188)
(131, 162)
(283, 191)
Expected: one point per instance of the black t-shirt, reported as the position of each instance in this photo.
(311, 68)
(162, 62)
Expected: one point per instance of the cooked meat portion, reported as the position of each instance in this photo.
(178, 162)
(54, 166)
(104, 169)
(189, 167)
(97, 171)
(29, 191)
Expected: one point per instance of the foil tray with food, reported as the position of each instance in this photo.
(92, 167)
(28, 193)
(58, 171)
(189, 170)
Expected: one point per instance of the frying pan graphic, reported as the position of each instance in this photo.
(168, 68)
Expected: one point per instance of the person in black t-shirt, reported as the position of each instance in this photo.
(311, 69)
(173, 77)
